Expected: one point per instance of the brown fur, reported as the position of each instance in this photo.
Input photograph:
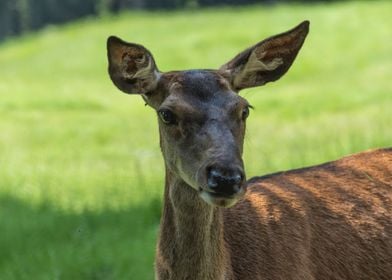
(332, 221)
(191, 240)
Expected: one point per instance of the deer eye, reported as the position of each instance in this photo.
(245, 113)
(167, 116)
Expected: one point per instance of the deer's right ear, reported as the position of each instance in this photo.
(131, 67)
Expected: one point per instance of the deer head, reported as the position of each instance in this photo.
(201, 115)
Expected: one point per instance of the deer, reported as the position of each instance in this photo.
(330, 221)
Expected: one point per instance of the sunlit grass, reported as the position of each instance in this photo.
(81, 174)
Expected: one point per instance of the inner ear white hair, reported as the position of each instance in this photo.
(267, 61)
(131, 67)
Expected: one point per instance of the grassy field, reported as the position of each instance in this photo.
(81, 175)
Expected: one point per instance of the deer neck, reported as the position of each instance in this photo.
(191, 242)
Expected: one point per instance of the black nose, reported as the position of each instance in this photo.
(224, 181)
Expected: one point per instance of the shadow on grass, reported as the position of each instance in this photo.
(41, 242)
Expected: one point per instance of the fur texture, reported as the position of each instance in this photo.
(332, 221)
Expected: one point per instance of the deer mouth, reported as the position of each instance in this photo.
(221, 199)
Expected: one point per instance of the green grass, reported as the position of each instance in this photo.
(81, 174)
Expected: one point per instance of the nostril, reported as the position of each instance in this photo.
(213, 178)
(237, 178)
(224, 181)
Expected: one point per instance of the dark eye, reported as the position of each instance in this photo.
(245, 113)
(167, 116)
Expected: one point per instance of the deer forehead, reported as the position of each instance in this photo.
(198, 90)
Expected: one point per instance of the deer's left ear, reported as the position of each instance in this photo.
(267, 61)
(131, 67)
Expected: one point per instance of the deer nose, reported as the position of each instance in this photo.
(224, 181)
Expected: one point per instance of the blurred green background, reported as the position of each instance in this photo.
(81, 175)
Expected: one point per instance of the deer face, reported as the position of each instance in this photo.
(201, 115)
(202, 125)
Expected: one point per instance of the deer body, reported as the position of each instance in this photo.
(332, 221)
